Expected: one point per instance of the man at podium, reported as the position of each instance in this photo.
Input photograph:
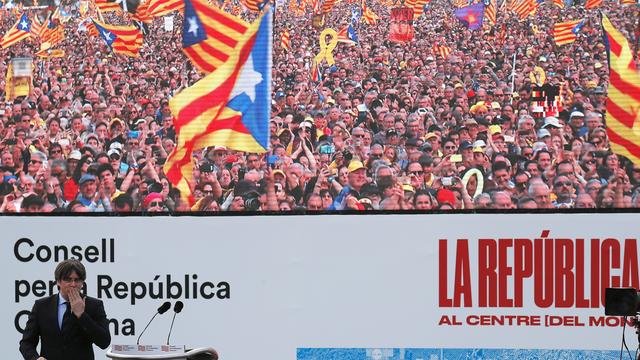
(69, 323)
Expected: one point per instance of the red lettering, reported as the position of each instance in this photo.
(610, 260)
(595, 273)
(504, 272)
(543, 272)
(630, 264)
(487, 276)
(564, 279)
(443, 300)
(581, 300)
(523, 267)
(462, 286)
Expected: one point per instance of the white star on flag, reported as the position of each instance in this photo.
(24, 25)
(107, 35)
(247, 81)
(193, 26)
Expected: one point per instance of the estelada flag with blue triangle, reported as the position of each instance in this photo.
(229, 107)
(348, 35)
(124, 40)
(19, 31)
(471, 16)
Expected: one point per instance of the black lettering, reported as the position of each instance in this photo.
(92, 254)
(104, 284)
(47, 253)
(61, 253)
(16, 250)
(224, 290)
(18, 289)
(211, 294)
(18, 320)
(121, 290)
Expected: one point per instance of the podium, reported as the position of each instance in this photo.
(203, 353)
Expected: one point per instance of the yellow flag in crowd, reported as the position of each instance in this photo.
(623, 103)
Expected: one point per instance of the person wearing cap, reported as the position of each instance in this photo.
(89, 196)
(552, 124)
(576, 122)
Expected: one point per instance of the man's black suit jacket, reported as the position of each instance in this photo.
(75, 340)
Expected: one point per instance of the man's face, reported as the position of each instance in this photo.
(106, 178)
(69, 284)
(501, 177)
(563, 187)
(357, 178)
(541, 197)
(88, 189)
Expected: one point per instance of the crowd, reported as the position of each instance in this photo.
(392, 126)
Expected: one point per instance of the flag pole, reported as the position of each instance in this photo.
(513, 76)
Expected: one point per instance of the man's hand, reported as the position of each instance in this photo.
(77, 303)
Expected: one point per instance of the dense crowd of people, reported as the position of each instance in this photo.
(392, 126)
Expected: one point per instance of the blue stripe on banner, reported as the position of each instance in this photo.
(451, 354)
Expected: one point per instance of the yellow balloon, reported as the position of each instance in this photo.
(326, 50)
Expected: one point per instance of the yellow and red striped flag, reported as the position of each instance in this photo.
(163, 7)
(124, 40)
(19, 31)
(52, 32)
(559, 3)
(368, 16)
(442, 50)
(460, 3)
(36, 26)
(623, 102)
(209, 34)
(628, 2)
(418, 7)
(592, 4)
(253, 5)
(565, 33)
(107, 5)
(228, 107)
(285, 40)
(524, 8)
(490, 12)
(328, 5)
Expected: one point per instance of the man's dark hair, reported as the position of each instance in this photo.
(32, 200)
(123, 200)
(499, 165)
(105, 167)
(69, 266)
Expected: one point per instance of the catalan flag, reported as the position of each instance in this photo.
(285, 40)
(316, 72)
(623, 103)
(418, 7)
(53, 32)
(592, 4)
(327, 5)
(368, 16)
(559, 3)
(19, 31)
(107, 5)
(209, 34)
(565, 33)
(471, 16)
(49, 53)
(142, 13)
(490, 12)
(254, 5)
(229, 107)
(348, 35)
(524, 8)
(442, 50)
(36, 26)
(124, 40)
(163, 7)
(460, 3)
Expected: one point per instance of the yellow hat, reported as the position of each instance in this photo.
(591, 84)
(407, 187)
(495, 105)
(355, 165)
(430, 135)
(278, 171)
(495, 129)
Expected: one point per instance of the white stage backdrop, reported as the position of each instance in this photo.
(339, 287)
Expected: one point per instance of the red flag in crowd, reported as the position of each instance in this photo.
(36, 26)
(163, 7)
(107, 5)
(209, 34)
(442, 50)
(623, 102)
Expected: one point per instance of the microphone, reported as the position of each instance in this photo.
(161, 310)
(176, 309)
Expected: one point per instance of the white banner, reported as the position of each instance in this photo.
(348, 287)
(168, 23)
